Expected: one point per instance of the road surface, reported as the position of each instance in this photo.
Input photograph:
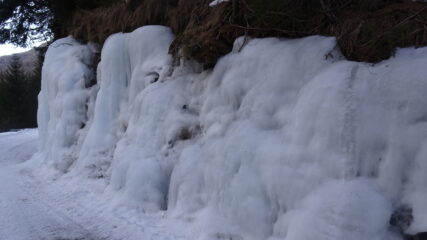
(33, 208)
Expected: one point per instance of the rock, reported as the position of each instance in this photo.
(418, 236)
(401, 219)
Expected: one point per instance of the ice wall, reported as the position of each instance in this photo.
(62, 110)
(283, 139)
(131, 74)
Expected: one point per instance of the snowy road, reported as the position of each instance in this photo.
(23, 215)
(35, 209)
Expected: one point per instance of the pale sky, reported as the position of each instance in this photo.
(7, 49)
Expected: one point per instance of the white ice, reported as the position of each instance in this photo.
(63, 101)
(283, 139)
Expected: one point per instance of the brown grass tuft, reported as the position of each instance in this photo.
(366, 30)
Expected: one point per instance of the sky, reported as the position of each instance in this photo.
(7, 49)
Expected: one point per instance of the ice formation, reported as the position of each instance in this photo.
(62, 101)
(283, 139)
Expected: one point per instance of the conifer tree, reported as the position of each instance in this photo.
(18, 94)
(25, 21)
(32, 91)
(13, 93)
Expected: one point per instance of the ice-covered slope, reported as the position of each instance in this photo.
(283, 139)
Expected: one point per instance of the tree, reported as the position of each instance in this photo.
(32, 90)
(18, 95)
(12, 95)
(25, 21)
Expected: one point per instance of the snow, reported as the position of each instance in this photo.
(329, 211)
(33, 208)
(284, 139)
(216, 2)
(18, 146)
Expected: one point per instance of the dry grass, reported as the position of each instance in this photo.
(367, 30)
(96, 25)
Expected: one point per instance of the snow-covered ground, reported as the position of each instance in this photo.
(35, 208)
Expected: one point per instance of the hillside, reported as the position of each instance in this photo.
(28, 59)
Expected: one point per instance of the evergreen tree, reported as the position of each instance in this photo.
(24, 21)
(12, 94)
(33, 90)
(18, 97)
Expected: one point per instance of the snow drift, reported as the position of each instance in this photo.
(283, 139)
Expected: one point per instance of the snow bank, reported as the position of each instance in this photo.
(17, 146)
(283, 139)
